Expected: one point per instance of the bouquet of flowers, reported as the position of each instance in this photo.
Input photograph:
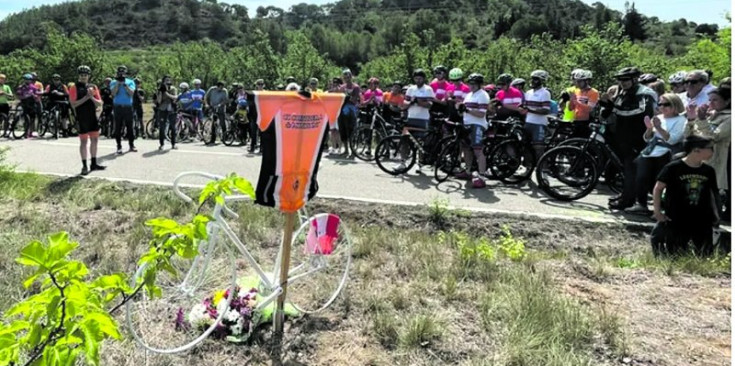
(238, 321)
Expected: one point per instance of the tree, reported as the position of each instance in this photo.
(633, 23)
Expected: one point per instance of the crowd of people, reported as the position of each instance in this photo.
(652, 124)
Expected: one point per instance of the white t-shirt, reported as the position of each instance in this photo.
(537, 99)
(477, 101)
(700, 99)
(415, 93)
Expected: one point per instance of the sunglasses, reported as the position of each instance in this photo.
(501, 85)
(664, 104)
(260, 84)
(692, 82)
(623, 80)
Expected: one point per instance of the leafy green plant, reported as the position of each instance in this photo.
(439, 211)
(512, 247)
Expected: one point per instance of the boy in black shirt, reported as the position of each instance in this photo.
(690, 208)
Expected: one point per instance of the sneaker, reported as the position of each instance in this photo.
(97, 167)
(174, 147)
(133, 149)
(401, 166)
(478, 183)
(463, 175)
(619, 205)
(160, 148)
(85, 171)
(638, 208)
(34, 134)
(119, 152)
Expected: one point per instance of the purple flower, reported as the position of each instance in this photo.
(181, 323)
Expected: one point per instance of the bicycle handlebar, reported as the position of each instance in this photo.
(187, 199)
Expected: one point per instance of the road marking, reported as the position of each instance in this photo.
(175, 151)
(600, 220)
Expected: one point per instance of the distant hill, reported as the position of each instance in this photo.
(349, 31)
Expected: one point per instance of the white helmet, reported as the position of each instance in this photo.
(541, 74)
(196, 82)
(582, 75)
(183, 86)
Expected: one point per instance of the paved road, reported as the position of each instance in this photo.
(352, 179)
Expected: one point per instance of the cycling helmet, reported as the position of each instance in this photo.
(518, 81)
(456, 74)
(34, 75)
(136, 80)
(419, 72)
(397, 82)
(27, 77)
(313, 81)
(373, 80)
(122, 68)
(2, 76)
(628, 72)
(346, 72)
(504, 79)
(55, 76)
(582, 75)
(290, 79)
(678, 77)
(196, 82)
(184, 86)
(541, 74)
(84, 69)
(476, 78)
(647, 78)
(440, 68)
(235, 85)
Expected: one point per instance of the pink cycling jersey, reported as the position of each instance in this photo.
(458, 92)
(440, 88)
(512, 97)
(369, 94)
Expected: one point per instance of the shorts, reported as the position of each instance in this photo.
(417, 123)
(476, 134)
(88, 123)
(536, 132)
(5, 109)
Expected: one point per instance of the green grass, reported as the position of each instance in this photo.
(415, 297)
(717, 265)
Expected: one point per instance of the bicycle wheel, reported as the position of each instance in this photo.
(566, 173)
(449, 162)
(595, 151)
(512, 161)
(19, 126)
(43, 125)
(320, 262)
(5, 124)
(389, 158)
(230, 135)
(207, 130)
(55, 123)
(164, 324)
(363, 140)
(182, 130)
(151, 129)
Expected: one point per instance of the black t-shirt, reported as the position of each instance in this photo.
(106, 95)
(60, 88)
(139, 97)
(690, 192)
(87, 108)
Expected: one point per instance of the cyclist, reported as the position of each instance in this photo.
(456, 91)
(439, 85)
(138, 101)
(241, 115)
(217, 99)
(474, 108)
(197, 96)
(253, 116)
(335, 143)
(392, 108)
(520, 84)
(6, 95)
(85, 98)
(27, 93)
(185, 100)
(537, 106)
(418, 101)
(58, 93)
(507, 100)
(107, 103)
(348, 117)
(676, 81)
(630, 104)
(123, 89)
(38, 107)
(314, 85)
(373, 96)
(166, 97)
(582, 100)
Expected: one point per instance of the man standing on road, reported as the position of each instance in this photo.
(123, 90)
(58, 93)
(537, 105)
(217, 98)
(138, 107)
(85, 99)
(6, 94)
(166, 97)
(197, 97)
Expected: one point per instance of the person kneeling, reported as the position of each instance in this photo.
(690, 208)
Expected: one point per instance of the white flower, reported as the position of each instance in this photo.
(232, 316)
(222, 306)
(237, 328)
(198, 316)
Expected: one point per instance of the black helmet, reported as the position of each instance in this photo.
(476, 78)
(628, 72)
(84, 69)
(440, 68)
(647, 78)
(122, 68)
(504, 79)
(419, 72)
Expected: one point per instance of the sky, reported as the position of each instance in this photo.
(698, 11)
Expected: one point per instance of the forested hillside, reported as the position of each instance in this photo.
(215, 41)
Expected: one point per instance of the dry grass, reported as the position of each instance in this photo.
(413, 297)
